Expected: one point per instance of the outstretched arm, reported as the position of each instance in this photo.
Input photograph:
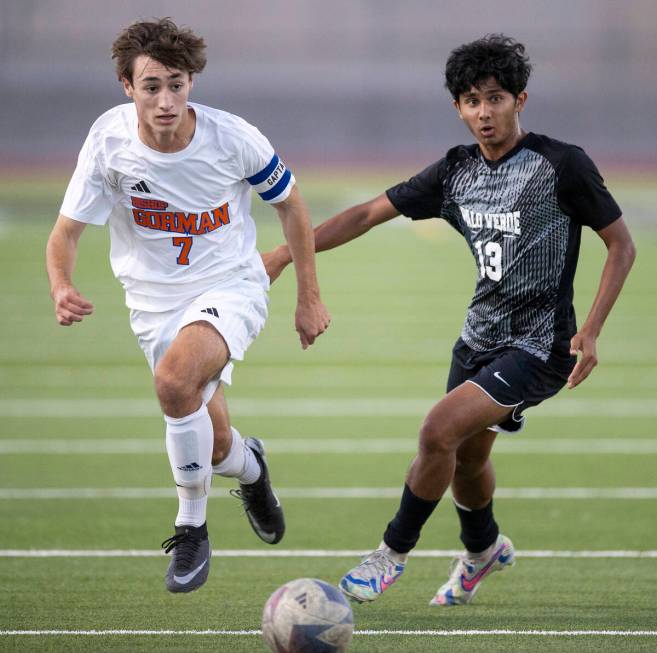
(620, 256)
(311, 318)
(70, 305)
(336, 231)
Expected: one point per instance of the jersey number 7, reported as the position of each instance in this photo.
(185, 244)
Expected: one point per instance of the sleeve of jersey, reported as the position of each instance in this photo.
(582, 193)
(274, 182)
(88, 197)
(420, 197)
(263, 169)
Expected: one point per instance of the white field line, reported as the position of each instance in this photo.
(304, 553)
(303, 407)
(358, 633)
(624, 493)
(311, 445)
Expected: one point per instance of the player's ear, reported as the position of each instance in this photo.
(458, 108)
(191, 82)
(520, 101)
(127, 86)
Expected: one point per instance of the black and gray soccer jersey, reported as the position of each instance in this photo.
(522, 217)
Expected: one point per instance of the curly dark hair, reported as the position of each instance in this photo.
(163, 41)
(495, 55)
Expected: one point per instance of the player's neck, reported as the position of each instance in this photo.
(495, 151)
(169, 142)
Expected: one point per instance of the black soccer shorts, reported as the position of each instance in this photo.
(510, 377)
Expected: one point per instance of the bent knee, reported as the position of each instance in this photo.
(174, 392)
(435, 439)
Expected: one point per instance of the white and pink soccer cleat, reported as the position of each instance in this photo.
(467, 573)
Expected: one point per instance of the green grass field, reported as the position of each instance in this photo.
(83, 466)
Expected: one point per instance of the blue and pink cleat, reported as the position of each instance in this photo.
(467, 573)
(378, 571)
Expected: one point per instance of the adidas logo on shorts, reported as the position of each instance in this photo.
(210, 311)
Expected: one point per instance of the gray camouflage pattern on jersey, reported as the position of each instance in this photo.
(519, 309)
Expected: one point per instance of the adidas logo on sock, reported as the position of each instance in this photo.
(192, 467)
(141, 187)
(210, 311)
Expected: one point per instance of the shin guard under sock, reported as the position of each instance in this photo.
(189, 441)
(478, 527)
(403, 531)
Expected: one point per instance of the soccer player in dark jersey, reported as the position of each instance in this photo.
(520, 200)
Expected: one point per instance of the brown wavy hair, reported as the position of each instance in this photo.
(163, 41)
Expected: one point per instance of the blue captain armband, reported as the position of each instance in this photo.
(273, 182)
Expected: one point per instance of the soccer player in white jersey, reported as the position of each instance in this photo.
(173, 179)
(520, 201)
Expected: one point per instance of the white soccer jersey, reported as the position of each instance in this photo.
(180, 222)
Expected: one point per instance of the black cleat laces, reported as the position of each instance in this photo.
(187, 543)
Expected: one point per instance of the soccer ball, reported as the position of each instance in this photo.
(307, 616)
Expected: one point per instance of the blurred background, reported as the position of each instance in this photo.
(351, 95)
(347, 81)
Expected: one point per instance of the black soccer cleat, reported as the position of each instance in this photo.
(262, 507)
(190, 560)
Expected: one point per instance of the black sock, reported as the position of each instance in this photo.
(403, 531)
(478, 528)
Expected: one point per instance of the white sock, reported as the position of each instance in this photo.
(240, 462)
(189, 443)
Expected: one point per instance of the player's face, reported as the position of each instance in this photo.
(491, 114)
(160, 96)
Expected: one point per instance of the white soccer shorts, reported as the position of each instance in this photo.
(238, 312)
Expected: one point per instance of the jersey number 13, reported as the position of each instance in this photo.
(490, 259)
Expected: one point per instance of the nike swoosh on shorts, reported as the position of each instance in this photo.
(498, 376)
